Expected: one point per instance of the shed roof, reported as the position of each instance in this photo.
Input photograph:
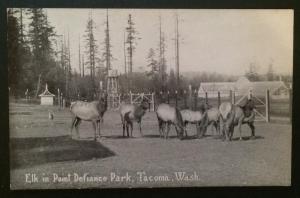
(46, 92)
(217, 86)
(259, 88)
(243, 85)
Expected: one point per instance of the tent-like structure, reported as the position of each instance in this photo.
(212, 89)
(47, 97)
(242, 87)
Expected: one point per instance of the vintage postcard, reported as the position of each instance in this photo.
(129, 98)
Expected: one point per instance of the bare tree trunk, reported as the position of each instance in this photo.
(38, 86)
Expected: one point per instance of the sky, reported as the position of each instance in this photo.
(222, 41)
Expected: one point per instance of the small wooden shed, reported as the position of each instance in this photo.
(47, 97)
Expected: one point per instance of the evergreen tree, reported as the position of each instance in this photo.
(91, 53)
(107, 55)
(252, 74)
(131, 46)
(172, 81)
(40, 34)
(13, 59)
(153, 71)
(162, 60)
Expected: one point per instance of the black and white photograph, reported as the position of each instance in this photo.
(149, 98)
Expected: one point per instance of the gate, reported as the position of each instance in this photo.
(262, 107)
(114, 100)
(139, 97)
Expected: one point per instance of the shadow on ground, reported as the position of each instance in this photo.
(25, 152)
(246, 138)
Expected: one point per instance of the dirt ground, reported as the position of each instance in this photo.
(42, 149)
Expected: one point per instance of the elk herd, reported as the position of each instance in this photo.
(223, 118)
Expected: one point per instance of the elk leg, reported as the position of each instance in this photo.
(131, 128)
(98, 128)
(165, 130)
(77, 123)
(240, 130)
(163, 126)
(73, 124)
(123, 124)
(140, 125)
(198, 129)
(227, 132)
(251, 125)
(160, 127)
(127, 128)
(95, 129)
(217, 126)
(168, 129)
(123, 129)
(231, 130)
(222, 128)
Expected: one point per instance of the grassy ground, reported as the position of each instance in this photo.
(43, 146)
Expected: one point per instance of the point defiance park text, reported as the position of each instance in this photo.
(113, 177)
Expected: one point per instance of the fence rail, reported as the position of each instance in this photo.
(266, 107)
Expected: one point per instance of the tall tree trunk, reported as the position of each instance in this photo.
(38, 86)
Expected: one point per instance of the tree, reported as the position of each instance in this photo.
(107, 55)
(153, 70)
(91, 52)
(152, 63)
(19, 56)
(40, 34)
(252, 74)
(13, 46)
(172, 81)
(177, 52)
(162, 60)
(131, 45)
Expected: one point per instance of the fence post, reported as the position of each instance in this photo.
(250, 94)
(184, 98)
(291, 104)
(26, 95)
(176, 98)
(267, 105)
(153, 101)
(64, 103)
(61, 100)
(58, 97)
(233, 97)
(130, 97)
(190, 97)
(206, 97)
(230, 95)
(168, 97)
(219, 98)
(195, 99)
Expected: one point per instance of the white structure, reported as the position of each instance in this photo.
(113, 81)
(113, 89)
(46, 97)
(242, 87)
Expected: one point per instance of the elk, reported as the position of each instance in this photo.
(132, 112)
(88, 111)
(166, 116)
(213, 116)
(234, 115)
(192, 117)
